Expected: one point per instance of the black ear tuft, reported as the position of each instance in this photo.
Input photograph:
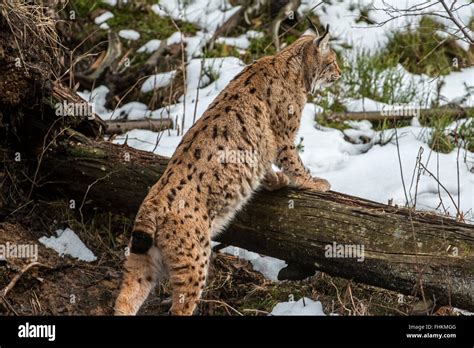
(318, 42)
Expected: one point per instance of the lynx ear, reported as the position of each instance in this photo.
(323, 42)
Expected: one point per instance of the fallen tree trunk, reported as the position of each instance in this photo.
(403, 250)
(117, 127)
(400, 115)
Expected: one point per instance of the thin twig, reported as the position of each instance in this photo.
(87, 192)
(17, 277)
(444, 188)
(224, 304)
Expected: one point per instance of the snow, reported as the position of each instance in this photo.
(363, 104)
(68, 243)
(150, 47)
(104, 26)
(455, 86)
(266, 265)
(375, 173)
(158, 81)
(373, 37)
(252, 34)
(240, 42)
(103, 17)
(304, 306)
(209, 14)
(174, 38)
(129, 34)
(112, 2)
(97, 98)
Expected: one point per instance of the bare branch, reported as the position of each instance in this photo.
(457, 22)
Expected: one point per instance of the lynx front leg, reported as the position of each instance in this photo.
(290, 162)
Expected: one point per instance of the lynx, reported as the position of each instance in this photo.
(223, 158)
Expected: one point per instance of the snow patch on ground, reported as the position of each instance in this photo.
(103, 17)
(150, 47)
(304, 306)
(114, 2)
(209, 14)
(268, 266)
(129, 34)
(68, 243)
(158, 81)
(241, 41)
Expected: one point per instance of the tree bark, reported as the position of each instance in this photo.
(377, 116)
(403, 249)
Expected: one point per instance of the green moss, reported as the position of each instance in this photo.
(147, 23)
(221, 50)
(137, 16)
(83, 151)
(83, 8)
(259, 47)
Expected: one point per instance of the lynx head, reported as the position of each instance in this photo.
(319, 61)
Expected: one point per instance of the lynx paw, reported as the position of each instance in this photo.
(275, 181)
(318, 184)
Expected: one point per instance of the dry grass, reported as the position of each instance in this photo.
(31, 22)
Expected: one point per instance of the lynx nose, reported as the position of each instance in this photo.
(334, 77)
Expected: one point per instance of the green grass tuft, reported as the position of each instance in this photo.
(425, 51)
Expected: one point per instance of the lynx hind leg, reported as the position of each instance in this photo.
(187, 262)
(142, 269)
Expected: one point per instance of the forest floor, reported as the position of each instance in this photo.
(62, 285)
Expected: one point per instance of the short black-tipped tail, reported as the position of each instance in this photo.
(141, 242)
